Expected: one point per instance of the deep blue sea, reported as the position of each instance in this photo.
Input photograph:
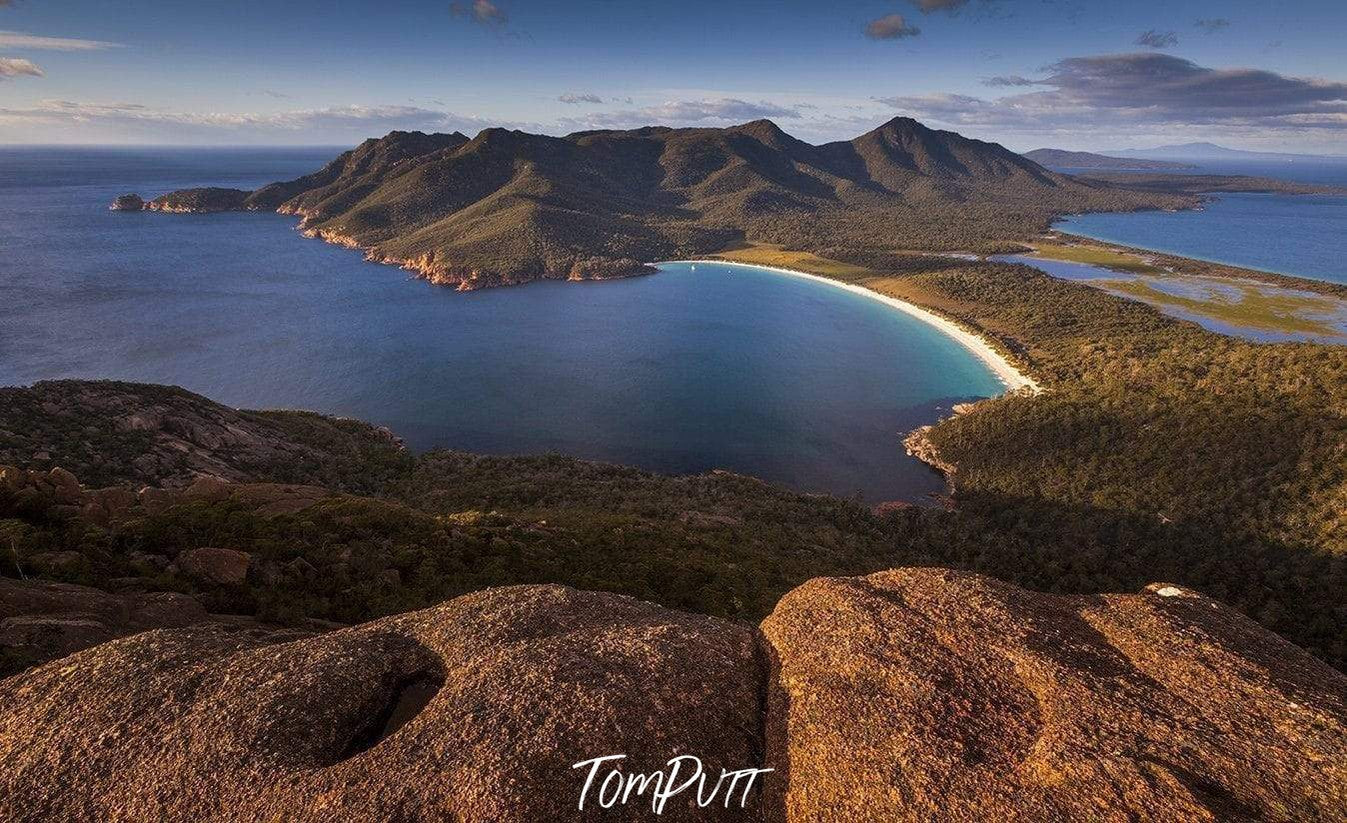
(1300, 235)
(682, 371)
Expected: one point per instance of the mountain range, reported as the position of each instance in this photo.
(1211, 151)
(1063, 159)
(507, 206)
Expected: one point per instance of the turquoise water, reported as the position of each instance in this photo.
(1299, 235)
(681, 371)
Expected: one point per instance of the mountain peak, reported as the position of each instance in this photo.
(903, 124)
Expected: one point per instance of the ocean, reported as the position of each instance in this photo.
(1299, 235)
(681, 371)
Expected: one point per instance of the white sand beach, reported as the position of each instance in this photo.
(1005, 371)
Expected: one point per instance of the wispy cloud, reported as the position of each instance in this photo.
(23, 40)
(684, 113)
(928, 6)
(143, 123)
(480, 11)
(18, 67)
(1125, 91)
(1008, 80)
(890, 27)
(1211, 25)
(1157, 39)
(576, 99)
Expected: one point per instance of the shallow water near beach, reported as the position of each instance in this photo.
(1249, 309)
(687, 370)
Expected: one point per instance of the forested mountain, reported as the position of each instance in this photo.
(507, 206)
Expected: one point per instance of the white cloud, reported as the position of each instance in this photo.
(479, 11)
(18, 67)
(684, 113)
(890, 27)
(22, 40)
(1126, 91)
(64, 120)
(576, 99)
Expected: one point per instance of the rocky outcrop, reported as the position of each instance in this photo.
(913, 694)
(227, 567)
(58, 493)
(199, 201)
(924, 694)
(42, 620)
(474, 710)
(127, 202)
(918, 444)
(111, 433)
(441, 270)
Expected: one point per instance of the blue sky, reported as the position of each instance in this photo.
(1027, 73)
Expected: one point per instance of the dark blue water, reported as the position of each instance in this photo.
(1322, 171)
(1299, 235)
(681, 371)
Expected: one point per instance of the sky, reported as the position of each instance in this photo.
(1075, 74)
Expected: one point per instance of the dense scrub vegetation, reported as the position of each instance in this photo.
(1161, 450)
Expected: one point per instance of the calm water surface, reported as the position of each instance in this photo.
(1299, 235)
(681, 371)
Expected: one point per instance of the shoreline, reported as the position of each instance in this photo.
(1010, 376)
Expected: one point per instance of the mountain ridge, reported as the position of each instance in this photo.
(1212, 151)
(1062, 158)
(507, 206)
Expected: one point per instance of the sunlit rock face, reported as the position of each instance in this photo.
(472, 710)
(912, 694)
(928, 694)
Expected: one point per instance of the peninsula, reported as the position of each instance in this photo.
(508, 207)
(1063, 159)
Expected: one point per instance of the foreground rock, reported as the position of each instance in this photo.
(923, 694)
(915, 694)
(473, 710)
(42, 620)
